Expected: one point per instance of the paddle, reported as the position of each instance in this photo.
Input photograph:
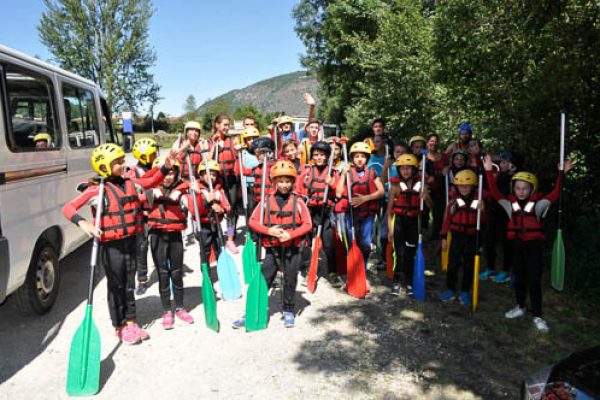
(340, 248)
(558, 250)
(476, 263)
(257, 296)
(83, 374)
(357, 276)
(311, 279)
(389, 249)
(445, 252)
(208, 294)
(419, 267)
(249, 251)
(227, 272)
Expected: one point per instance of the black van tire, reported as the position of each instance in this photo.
(38, 294)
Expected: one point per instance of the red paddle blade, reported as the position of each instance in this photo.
(389, 260)
(357, 277)
(311, 279)
(340, 254)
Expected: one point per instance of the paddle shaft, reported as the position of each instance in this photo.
(563, 129)
(349, 187)
(197, 226)
(212, 212)
(96, 245)
(261, 205)
(325, 194)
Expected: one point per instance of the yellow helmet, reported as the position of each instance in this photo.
(526, 177)
(250, 133)
(143, 148)
(286, 120)
(192, 125)
(161, 160)
(42, 136)
(465, 177)
(105, 154)
(416, 138)
(283, 168)
(360, 147)
(407, 159)
(212, 166)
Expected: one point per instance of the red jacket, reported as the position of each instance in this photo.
(167, 213)
(461, 214)
(205, 207)
(360, 185)
(311, 184)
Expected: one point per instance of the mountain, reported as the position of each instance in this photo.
(281, 93)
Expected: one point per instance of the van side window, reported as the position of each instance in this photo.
(31, 111)
(82, 119)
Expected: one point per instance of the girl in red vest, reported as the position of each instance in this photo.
(212, 206)
(403, 213)
(525, 207)
(261, 147)
(166, 220)
(192, 142)
(367, 189)
(289, 152)
(461, 219)
(286, 222)
(223, 150)
(311, 184)
(121, 222)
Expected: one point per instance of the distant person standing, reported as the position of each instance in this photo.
(127, 130)
(465, 132)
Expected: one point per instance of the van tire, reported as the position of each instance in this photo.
(38, 294)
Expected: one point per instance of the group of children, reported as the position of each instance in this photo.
(297, 190)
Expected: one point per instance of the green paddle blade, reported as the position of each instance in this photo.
(558, 262)
(209, 302)
(257, 303)
(83, 375)
(248, 259)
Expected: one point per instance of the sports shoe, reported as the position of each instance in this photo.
(334, 280)
(141, 289)
(395, 289)
(541, 325)
(289, 319)
(485, 275)
(464, 298)
(184, 316)
(130, 334)
(447, 295)
(144, 335)
(502, 277)
(231, 247)
(168, 320)
(239, 323)
(515, 313)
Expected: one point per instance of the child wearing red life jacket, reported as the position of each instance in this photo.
(145, 151)
(286, 221)
(367, 189)
(526, 208)
(289, 152)
(261, 147)
(121, 222)
(166, 220)
(223, 150)
(213, 206)
(461, 219)
(403, 209)
(311, 184)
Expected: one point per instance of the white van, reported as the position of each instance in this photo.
(35, 182)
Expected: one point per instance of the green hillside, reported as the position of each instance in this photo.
(281, 93)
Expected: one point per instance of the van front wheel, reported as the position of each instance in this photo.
(38, 293)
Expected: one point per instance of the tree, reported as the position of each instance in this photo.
(216, 107)
(153, 98)
(190, 107)
(105, 41)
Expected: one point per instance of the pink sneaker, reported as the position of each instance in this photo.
(168, 320)
(144, 335)
(184, 316)
(130, 334)
(231, 247)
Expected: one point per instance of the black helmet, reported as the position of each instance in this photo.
(508, 156)
(321, 146)
(262, 143)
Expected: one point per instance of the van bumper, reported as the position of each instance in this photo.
(4, 267)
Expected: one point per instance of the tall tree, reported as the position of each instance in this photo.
(190, 107)
(105, 41)
(153, 97)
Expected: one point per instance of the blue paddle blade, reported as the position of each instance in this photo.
(229, 277)
(419, 275)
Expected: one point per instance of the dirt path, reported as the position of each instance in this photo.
(381, 347)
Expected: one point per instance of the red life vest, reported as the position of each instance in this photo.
(257, 172)
(523, 223)
(227, 155)
(166, 213)
(360, 185)
(285, 218)
(196, 160)
(122, 212)
(463, 215)
(207, 213)
(315, 183)
(408, 201)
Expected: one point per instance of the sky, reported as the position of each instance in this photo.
(204, 48)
